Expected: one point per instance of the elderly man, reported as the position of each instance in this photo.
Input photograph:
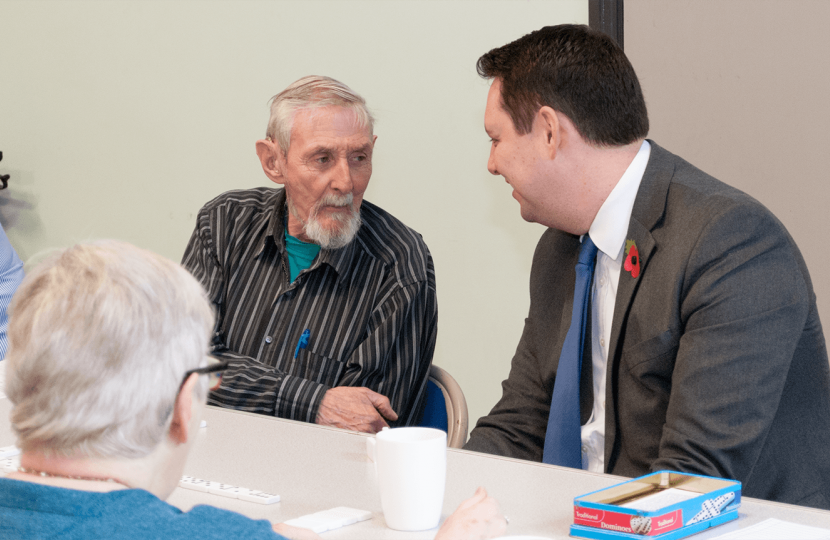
(105, 370)
(703, 350)
(326, 303)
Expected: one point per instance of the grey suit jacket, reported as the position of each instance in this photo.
(717, 363)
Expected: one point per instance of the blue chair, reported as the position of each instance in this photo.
(446, 407)
(435, 411)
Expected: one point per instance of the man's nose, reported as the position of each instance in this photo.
(341, 179)
(491, 163)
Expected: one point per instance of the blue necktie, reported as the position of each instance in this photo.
(563, 439)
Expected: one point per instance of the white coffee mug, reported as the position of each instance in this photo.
(411, 466)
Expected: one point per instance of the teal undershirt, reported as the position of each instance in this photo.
(300, 254)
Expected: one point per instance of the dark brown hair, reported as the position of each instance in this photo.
(577, 71)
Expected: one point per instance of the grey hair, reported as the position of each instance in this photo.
(100, 337)
(311, 92)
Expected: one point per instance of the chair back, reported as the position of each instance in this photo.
(446, 407)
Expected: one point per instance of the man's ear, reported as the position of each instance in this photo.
(269, 153)
(551, 129)
(179, 431)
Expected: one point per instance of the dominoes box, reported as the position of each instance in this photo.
(664, 505)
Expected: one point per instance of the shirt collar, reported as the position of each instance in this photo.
(610, 225)
(274, 226)
(339, 260)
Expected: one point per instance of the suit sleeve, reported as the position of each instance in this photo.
(745, 302)
(247, 385)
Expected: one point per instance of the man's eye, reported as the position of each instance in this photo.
(359, 158)
(322, 159)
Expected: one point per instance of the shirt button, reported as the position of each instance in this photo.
(584, 449)
(601, 341)
(268, 339)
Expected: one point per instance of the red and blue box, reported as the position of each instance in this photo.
(665, 505)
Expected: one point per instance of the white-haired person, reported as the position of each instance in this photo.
(108, 373)
(326, 303)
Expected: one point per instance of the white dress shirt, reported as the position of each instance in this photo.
(608, 232)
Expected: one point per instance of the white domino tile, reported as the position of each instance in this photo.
(259, 497)
(9, 464)
(9, 459)
(336, 520)
(227, 490)
(9, 451)
(196, 484)
(328, 520)
(359, 515)
(310, 522)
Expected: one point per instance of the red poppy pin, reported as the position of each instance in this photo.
(632, 258)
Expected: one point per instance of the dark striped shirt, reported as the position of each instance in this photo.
(370, 308)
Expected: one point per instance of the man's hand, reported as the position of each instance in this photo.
(295, 533)
(358, 409)
(474, 519)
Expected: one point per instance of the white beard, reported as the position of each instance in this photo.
(327, 238)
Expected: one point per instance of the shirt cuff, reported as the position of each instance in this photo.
(299, 399)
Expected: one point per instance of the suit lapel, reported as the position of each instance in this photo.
(648, 211)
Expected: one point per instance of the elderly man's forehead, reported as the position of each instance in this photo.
(326, 114)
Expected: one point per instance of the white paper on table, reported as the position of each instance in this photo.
(660, 500)
(775, 529)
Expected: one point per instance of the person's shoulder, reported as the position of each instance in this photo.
(675, 191)
(148, 516)
(238, 200)
(238, 213)
(698, 188)
(225, 524)
(41, 511)
(701, 209)
(388, 239)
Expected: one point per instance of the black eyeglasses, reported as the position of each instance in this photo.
(213, 370)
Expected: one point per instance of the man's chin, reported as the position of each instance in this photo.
(336, 241)
(333, 233)
(335, 225)
(527, 215)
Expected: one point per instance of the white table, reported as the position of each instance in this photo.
(314, 468)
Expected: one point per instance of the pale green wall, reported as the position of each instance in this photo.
(120, 119)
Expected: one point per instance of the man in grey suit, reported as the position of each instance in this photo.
(704, 350)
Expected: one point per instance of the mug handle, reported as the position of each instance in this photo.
(370, 445)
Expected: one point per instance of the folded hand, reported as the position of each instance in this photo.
(357, 409)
